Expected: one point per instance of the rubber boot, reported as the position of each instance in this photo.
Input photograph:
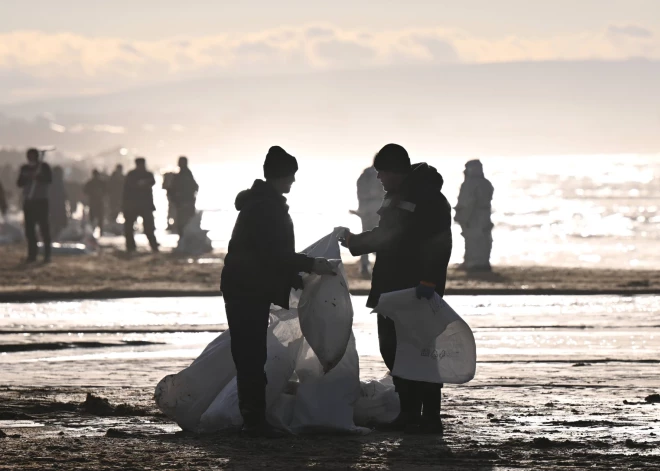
(410, 408)
(431, 423)
(252, 404)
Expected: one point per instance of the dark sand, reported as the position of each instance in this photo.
(113, 273)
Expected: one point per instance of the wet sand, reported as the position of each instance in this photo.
(114, 274)
(592, 404)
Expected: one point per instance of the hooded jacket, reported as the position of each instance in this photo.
(261, 262)
(413, 239)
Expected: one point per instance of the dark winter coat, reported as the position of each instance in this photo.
(36, 188)
(183, 189)
(413, 239)
(138, 194)
(261, 262)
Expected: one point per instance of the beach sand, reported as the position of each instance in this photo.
(600, 413)
(114, 273)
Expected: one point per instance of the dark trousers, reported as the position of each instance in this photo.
(413, 395)
(248, 325)
(184, 213)
(35, 213)
(97, 216)
(131, 216)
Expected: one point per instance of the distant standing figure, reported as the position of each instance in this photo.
(138, 201)
(58, 215)
(184, 194)
(115, 192)
(168, 177)
(3, 202)
(96, 191)
(370, 195)
(35, 178)
(473, 214)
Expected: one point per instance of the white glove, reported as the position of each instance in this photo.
(323, 267)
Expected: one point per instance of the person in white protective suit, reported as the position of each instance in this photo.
(473, 215)
(370, 195)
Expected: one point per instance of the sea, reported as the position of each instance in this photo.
(565, 211)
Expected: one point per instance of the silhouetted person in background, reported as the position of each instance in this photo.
(35, 178)
(168, 177)
(184, 194)
(473, 215)
(4, 207)
(261, 267)
(57, 203)
(115, 192)
(413, 246)
(138, 201)
(370, 195)
(96, 192)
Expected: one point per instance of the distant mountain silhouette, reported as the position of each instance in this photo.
(512, 108)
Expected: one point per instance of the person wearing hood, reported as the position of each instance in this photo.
(260, 269)
(473, 215)
(412, 244)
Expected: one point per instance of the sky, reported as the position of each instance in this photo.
(86, 47)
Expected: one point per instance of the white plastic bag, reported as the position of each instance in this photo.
(325, 308)
(433, 343)
(185, 396)
(378, 403)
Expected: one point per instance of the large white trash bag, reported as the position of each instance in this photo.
(185, 397)
(284, 341)
(324, 308)
(300, 395)
(378, 403)
(433, 343)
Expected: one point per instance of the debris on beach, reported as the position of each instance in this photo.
(100, 406)
(653, 399)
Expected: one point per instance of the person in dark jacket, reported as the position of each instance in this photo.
(412, 244)
(35, 178)
(96, 191)
(115, 192)
(58, 216)
(4, 207)
(183, 191)
(261, 267)
(138, 201)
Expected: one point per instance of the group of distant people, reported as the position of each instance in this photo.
(473, 214)
(44, 196)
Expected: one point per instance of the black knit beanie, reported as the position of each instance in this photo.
(279, 163)
(392, 158)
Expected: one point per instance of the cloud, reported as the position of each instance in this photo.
(631, 31)
(33, 63)
(346, 53)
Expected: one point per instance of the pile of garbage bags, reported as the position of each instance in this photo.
(194, 240)
(313, 368)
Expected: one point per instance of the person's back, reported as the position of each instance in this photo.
(35, 178)
(138, 193)
(138, 202)
(95, 190)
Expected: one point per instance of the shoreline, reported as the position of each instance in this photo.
(113, 274)
(48, 295)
